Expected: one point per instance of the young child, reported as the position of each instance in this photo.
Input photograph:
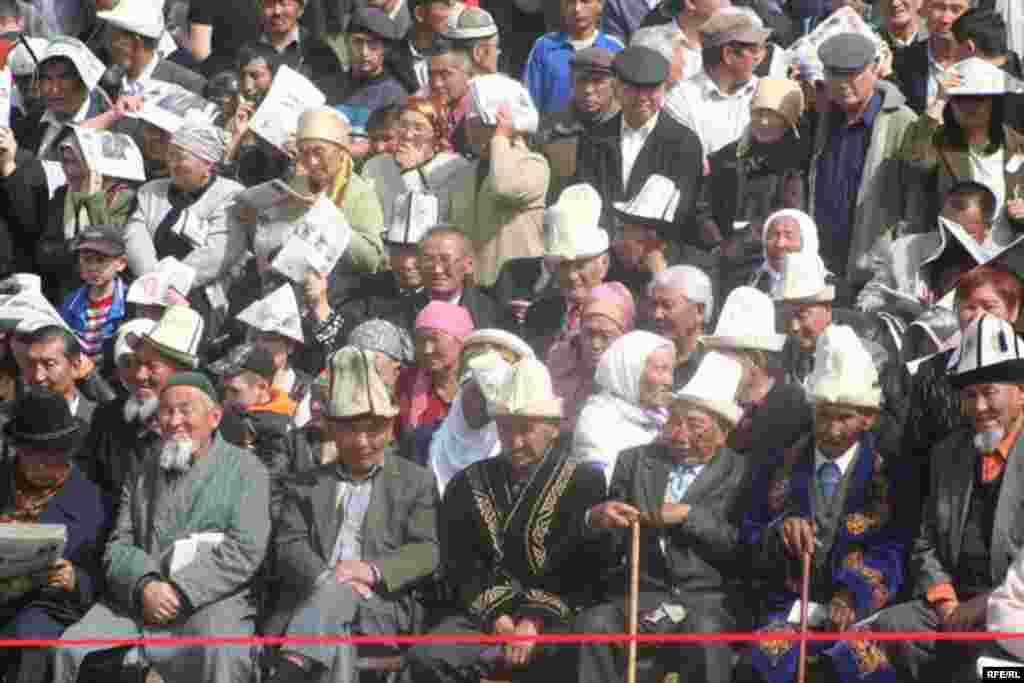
(96, 310)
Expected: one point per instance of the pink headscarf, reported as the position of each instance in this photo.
(453, 320)
(613, 301)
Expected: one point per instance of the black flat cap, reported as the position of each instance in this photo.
(104, 239)
(593, 60)
(375, 21)
(847, 53)
(641, 67)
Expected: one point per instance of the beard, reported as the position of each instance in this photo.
(176, 455)
(136, 409)
(986, 442)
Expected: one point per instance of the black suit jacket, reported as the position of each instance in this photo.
(703, 554)
(910, 74)
(671, 150)
(179, 75)
(481, 308)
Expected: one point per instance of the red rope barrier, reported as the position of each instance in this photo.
(493, 639)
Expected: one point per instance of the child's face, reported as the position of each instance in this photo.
(97, 270)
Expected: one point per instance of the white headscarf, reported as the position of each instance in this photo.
(809, 243)
(456, 445)
(613, 420)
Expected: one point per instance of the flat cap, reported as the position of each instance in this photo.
(734, 25)
(594, 60)
(641, 67)
(375, 21)
(847, 53)
(103, 239)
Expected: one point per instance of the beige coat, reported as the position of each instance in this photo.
(505, 219)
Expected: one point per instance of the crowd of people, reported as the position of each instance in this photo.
(535, 274)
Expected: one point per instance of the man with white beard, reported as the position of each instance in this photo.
(124, 431)
(970, 531)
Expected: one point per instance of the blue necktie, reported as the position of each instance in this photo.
(679, 479)
(828, 478)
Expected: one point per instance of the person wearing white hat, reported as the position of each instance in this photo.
(968, 541)
(680, 302)
(576, 249)
(634, 382)
(970, 113)
(775, 413)
(831, 496)
(136, 27)
(786, 231)
(805, 302)
(688, 489)
(925, 267)
(528, 576)
(646, 243)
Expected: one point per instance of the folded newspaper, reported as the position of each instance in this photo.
(113, 155)
(169, 106)
(316, 242)
(29, 548)
(270, 195)
(277, 118)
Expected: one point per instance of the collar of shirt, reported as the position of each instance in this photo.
(710, 90)
(1002, 451)
(73, 403)
(578, 44)
(291, 44)
(843, 461)
(456, 300)
(345, 476)
(643, 131)
(131, 86)
(867, 119)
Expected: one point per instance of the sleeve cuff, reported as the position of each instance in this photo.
(941, 592)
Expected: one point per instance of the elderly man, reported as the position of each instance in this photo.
(356, 534)
(134, 36)
(126, 432)
(968, 536)
(186, 215)
(688, 490)
(447, 265)
(830, 497)
(592, 103)
(680, 302)
(716, 102)
(191, 533)
(515, 571)
(617, 156)
(53, 360)
(577, 249)
(775, 413)
(856, 186)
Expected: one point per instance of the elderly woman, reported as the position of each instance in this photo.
(422, 160)
(634, 378)
(788, 231)
(607, 314)
(41, 485)
(425, 392)
(87, 199)
(964, 136)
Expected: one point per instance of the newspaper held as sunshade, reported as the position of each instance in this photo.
(277, 118)
(112, 155)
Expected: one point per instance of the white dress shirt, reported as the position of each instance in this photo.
(633, 140)
(716, 117)
(843, 462)
(135, 87)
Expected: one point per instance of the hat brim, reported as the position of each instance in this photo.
(1006, 372)
(661, 225)
(730, 412)
(760, 342)
(100, 247)
(62, 440)
(545, 409)
(825, 296)
(186, 359)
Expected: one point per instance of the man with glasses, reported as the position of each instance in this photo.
(856, 187)
(446, 265)
(715, 103)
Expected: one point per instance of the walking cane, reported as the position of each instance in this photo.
(805, 581)
(634, 600)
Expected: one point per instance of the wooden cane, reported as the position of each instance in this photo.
(634, 600)
(805, 581)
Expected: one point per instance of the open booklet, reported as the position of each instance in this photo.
(29, 548)
(271, 195)
(169, 106)
(113, 155)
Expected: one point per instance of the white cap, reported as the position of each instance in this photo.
(571, 229)
(990, 352)
(144, 17)
(844, 372)
(656, 201)
(714, 386)
(747, 321)
(413, 215)
(803, 280)
(501, 339)
(278, 313)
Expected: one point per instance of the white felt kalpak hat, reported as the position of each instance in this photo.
(527, 392)
(144, 17)
(278, 313)
(803, 280)
(571, 229)
(844, 372)
(714, 386)
(747, 321)
(656, 202)
(356, 386)
(176, 336)
(990, 352)
(981, 78)
(414, 214)
(499, 339)
(136, 327)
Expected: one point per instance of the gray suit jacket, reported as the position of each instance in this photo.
(703, 553)
(936, 549)
(399, 532)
